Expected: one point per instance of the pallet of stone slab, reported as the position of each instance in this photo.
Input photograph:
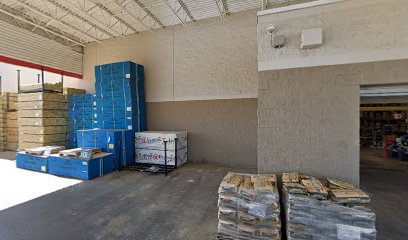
(308, 217)
(40, 96)
(73, 91)
(44, 138)
(249, 207)
(349, 196)
(43, 130)
(41, 113)
(43, 105)
(292, 177)
(44, 151)
(43, 122)
(27, 145)
(315, 189)
(337, 184)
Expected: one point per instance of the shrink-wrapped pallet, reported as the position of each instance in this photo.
(249, 207)
(329, 209)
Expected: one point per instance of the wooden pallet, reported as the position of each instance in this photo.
(41, 150)
(76, 152)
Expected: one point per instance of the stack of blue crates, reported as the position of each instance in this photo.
(118, 142)
(82, 114)
(120, 96)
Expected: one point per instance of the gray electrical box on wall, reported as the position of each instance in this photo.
(278, 41)
(311, 38)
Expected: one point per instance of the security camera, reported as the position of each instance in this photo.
(271, 29)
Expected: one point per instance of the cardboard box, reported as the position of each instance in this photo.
(152, 156)
(154, 139)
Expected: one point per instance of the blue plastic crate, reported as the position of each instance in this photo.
(85, 169)
(118, 142)
(117, 81)
(32, 162)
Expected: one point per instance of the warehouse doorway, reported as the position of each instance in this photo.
(384, 127)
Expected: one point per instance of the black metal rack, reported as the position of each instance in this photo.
(156, 168)
(42, 89)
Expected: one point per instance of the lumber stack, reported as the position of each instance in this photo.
(2, 122)
(249, 207)
(72, 92)
(43, 120)
(326, 209)
(11, 122)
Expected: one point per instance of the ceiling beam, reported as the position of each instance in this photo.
(72, 13)
(49, 16)
(183, 5)
(150, 14)
(3, 10)
(222, 8)
(115, 16)
(133, 15)
(175, 8)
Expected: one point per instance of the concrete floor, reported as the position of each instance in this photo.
(19, 185)
(386, 180)
(124, 205)
(130, 205)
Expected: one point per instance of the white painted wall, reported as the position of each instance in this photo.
(209, 59)
(354, 31)
(8, 75)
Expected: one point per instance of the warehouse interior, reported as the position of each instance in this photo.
(203, 119)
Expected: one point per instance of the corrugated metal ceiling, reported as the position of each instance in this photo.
(84, 21)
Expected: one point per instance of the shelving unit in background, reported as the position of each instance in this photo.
(377, 121)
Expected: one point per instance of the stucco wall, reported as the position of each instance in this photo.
(220, 131)
(354, 31)
(209, 59)
(308, 118)
(202, 78)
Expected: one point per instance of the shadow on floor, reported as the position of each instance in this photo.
(386, 180)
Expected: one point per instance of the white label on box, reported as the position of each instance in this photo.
(127, 75)
(85, 163)
(129, 109)
(95, 115)
(129, 127)
(347, 232)
(43, 168)
(129, 118)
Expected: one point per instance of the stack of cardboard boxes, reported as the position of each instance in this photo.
(43, 120)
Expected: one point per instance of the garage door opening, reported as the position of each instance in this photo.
(383, 128)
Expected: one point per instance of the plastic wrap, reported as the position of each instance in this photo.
(310, 218)
(249, 207)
